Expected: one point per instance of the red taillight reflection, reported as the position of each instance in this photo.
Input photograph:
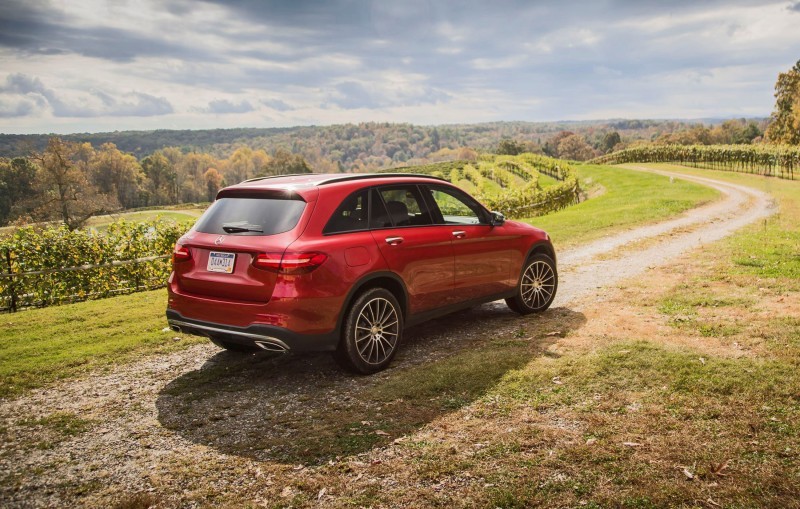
(181, 254)
(290, 263)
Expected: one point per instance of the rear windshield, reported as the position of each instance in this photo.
(250, 216)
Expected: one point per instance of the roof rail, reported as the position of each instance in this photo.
(359, 176)
(255, 179)
(345, 177)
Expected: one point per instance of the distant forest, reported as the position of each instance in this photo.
(358, 147)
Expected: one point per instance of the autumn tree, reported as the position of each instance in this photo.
(120, 174)
(190, 170)
(17, 188)
(284, 163)
(509, 147)
(213, 180)
(161, 179)
(610, 140)
(575, 147)
(551, 146)
(63, 187)
(784, 124)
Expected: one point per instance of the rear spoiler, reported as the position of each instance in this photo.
(273, 194)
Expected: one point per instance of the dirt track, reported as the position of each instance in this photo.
(201, 421)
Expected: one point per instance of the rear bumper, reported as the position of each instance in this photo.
(267, 337)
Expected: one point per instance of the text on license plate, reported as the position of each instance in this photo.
(221, 262)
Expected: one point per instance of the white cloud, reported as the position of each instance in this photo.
(93, 65)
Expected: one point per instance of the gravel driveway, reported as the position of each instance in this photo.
(183, 427)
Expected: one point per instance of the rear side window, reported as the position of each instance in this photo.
(351, 216)
(251, 216)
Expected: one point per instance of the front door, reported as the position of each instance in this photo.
(413, 247)
(482, 252)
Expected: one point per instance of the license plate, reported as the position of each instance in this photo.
(220, 262)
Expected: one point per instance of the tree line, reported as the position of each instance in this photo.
(70, 181)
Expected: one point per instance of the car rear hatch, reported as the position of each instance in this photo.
(218, 254)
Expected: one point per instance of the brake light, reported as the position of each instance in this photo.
(181, 254)
(290, 263)
(268, 261)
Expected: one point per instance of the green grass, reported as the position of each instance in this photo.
(771, 248)
(546, 181)
(40, 346)
(102, 222)
(631, 198)
(180, 213)
(64, 423)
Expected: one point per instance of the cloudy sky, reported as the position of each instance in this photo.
(76, 65)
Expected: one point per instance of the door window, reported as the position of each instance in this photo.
(399, 206)
(457, 207)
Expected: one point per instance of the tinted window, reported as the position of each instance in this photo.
(457, 207)
(405, 206)
(251, 216)
(379, 216)
(351, 215)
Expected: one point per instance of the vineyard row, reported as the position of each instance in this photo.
(768, 160)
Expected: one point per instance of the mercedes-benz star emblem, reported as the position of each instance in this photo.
(219, 240)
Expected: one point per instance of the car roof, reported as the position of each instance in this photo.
(306, 184)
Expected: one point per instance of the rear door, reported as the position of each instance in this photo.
(413, 247)
(482, 252)
(227, 238)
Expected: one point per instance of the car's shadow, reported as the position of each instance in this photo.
(305, 409)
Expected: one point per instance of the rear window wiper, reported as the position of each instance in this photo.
(242, 229)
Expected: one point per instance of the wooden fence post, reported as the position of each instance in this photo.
(11, 286)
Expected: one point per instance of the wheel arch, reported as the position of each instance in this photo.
(384, 279)
(542, 247)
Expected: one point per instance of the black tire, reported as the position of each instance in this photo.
(373, 330)
(537, 285)
(235, 347)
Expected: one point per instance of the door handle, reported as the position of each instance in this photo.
(460, 234)
(393, 241)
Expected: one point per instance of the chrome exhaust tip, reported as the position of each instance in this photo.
(271, 347)
(175, 328)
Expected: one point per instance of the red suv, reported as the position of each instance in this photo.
(345, 262)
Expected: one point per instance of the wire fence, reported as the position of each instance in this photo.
(21, 290)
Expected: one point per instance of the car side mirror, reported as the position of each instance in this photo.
(498, 219)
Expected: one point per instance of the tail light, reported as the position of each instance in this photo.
(290, 263)
(181, 254)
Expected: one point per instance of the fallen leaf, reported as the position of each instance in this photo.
(703, 361)
(591, 441)
(631, 444)
(718, 468)
(322, 493)
(555, 333)
(711, 501)
(688, 474)
(557, 380)
(382, 433)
